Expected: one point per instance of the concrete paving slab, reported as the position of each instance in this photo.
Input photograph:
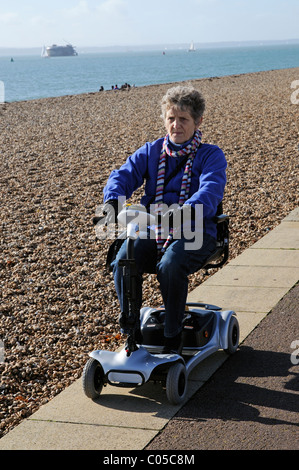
(255, 276)
(249, 299)
(116, 406)
(46, 435)
(266, 257)
(284, 236)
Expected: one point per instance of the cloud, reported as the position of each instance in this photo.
(100, 9)
(78, 10)
(8, 17)
(112, 7)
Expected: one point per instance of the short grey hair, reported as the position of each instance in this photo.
(185, 98)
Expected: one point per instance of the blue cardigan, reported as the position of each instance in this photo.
(207, 181)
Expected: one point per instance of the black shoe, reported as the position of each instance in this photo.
(126, 328)
(130, 346)
(173, 345)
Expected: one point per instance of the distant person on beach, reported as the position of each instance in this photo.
(181, 175)
(126, 86)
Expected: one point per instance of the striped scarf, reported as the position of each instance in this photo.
(190, 151)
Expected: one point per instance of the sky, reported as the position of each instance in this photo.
(103, 23)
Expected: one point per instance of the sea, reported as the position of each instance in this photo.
(29, 77)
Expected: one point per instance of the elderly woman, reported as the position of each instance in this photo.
(177, 169)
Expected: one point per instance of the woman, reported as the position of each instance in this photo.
(177, 169)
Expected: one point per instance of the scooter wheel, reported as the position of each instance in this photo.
(233, 335)
(176, 383)
(93, 378)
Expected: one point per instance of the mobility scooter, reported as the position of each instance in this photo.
(206, 328)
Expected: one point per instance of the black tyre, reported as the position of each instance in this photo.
(176, 384)
(93, 378)
(233, 335)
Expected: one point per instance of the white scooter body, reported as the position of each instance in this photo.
(147, 362)
(140, 365)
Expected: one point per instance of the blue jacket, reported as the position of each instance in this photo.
(207, 181)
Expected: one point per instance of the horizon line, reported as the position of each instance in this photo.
(164, 45)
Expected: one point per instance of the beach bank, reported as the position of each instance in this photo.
(58, 303)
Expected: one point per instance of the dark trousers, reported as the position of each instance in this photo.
(172, 270)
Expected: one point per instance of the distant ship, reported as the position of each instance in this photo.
(59, 51)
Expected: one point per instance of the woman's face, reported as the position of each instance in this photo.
(180, 125)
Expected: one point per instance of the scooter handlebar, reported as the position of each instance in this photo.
(136, 216)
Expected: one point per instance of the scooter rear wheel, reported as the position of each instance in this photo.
(233, 335)
(176, 383)
(93, 378)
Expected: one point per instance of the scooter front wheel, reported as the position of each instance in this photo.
(93, 378)
(176, 383)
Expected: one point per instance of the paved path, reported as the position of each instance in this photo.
(132, 419)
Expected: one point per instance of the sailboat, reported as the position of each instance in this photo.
(44, 52)
(192, 47)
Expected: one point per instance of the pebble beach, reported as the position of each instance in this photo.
(57, 300)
